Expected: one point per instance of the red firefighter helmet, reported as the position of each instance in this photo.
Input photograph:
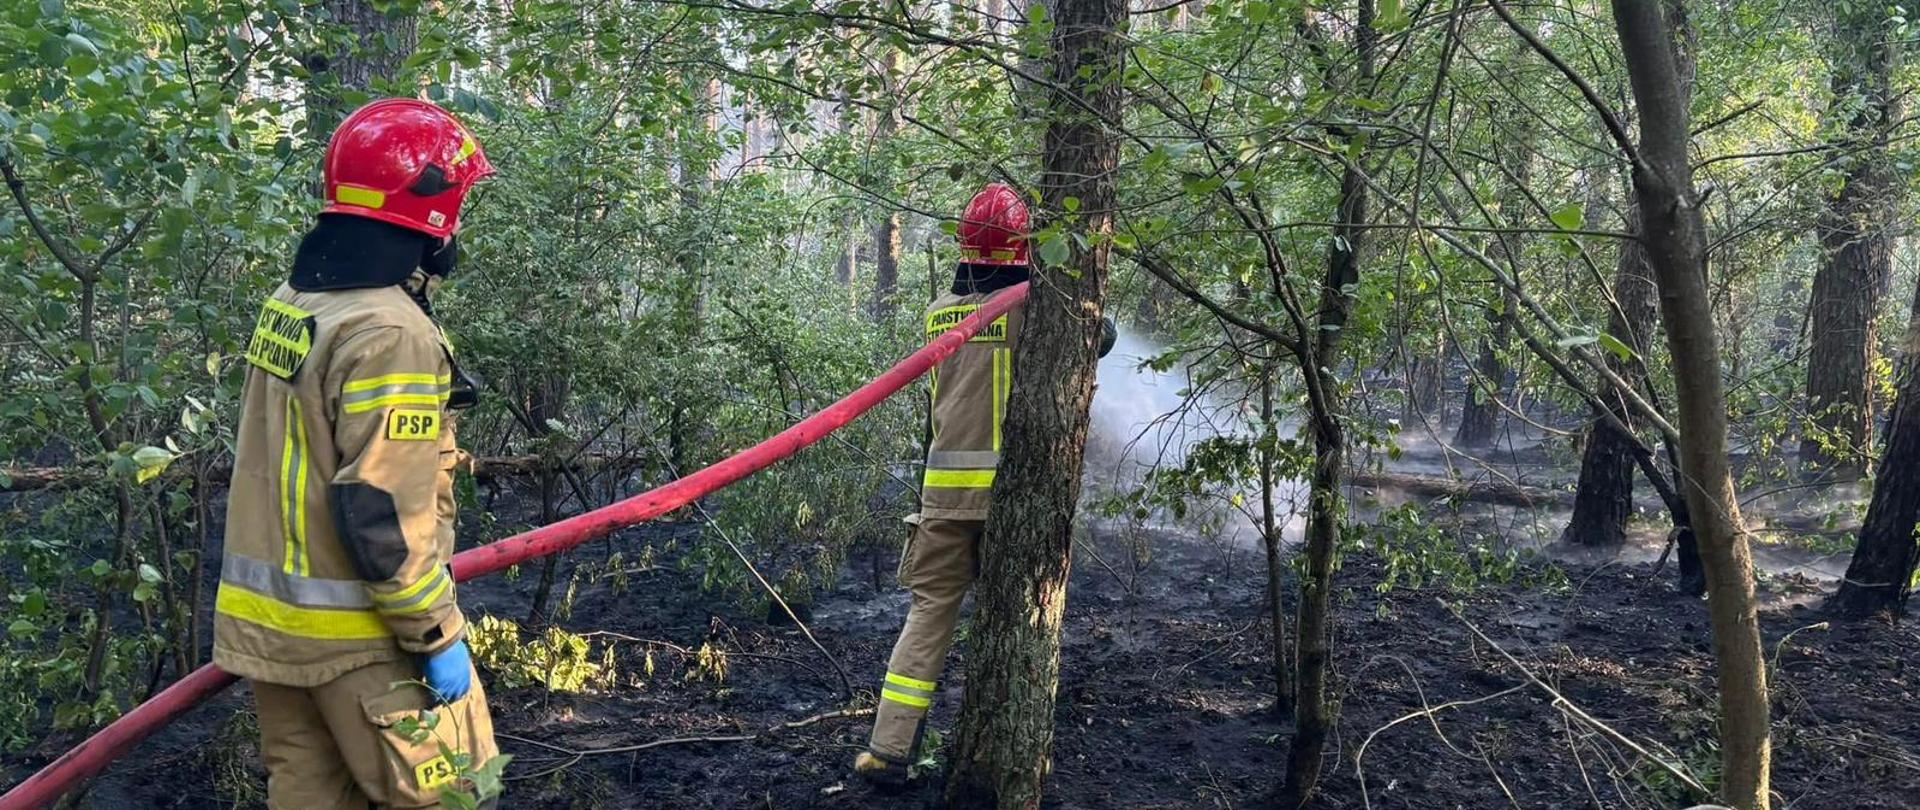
(403, 161)
(994, 228)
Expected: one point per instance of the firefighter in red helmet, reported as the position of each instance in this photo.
(969, 394)
(335, 598)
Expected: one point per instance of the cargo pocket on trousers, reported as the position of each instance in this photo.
(424, 745)
(906, 551)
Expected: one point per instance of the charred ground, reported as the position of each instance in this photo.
(1165, 695)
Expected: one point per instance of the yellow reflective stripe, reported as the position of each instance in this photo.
(1002, 376)
(904, 699)
(302, 563)
(959, 479)
(376, 403)
(370, 383)
(467, 148)
(363, 197)
(421, 605)
(293, 491)
(293, 620)
(437, 580)
(912, 683)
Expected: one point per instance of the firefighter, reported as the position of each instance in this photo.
(969, 393)
(336, 600)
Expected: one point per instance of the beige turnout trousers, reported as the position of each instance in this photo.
(937, 567)
(344, 745)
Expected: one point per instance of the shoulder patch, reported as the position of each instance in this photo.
(413, 424)
(282, 338)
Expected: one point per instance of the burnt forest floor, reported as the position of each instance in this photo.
(1164, 697)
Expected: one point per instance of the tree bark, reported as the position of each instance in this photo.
(1273, 544)
(1001, 758)
(370, 46)
(1603, 500)
(1314, 709)
(1855, 236)
(1880, 577)
(886, 232)
(1676, 243)
(1480, 410)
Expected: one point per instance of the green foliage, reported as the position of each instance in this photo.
(1419, 552)
(554, 658)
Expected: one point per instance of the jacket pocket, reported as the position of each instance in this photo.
(427, 747)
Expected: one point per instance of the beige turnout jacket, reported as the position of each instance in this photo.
(969, 404)
(341, 514)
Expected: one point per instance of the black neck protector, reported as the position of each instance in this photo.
(345, 252)
(975, 279)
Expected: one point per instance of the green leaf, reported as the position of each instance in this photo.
(1568, 217)
(83, 43)
(148, 573)
(150, 462)
(1614, 344)
(21, 628)
(1053, 250)
(1391, 17)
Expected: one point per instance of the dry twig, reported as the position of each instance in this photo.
(1561, 702)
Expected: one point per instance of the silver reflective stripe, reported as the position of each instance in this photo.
(906, 690)
(269, 580)
(424, 389)
(963, 459)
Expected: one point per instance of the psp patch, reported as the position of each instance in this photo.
(435, 773)
(282, 339)
(413, 425)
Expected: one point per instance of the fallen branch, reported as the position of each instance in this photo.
(1561, 702)
(1435, 486)
(575, 755)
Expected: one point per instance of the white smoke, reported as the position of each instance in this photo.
(1145, 419)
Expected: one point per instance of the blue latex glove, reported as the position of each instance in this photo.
(450, 672)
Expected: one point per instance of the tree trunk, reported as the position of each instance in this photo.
(1880, 577)
(1676, 243)
(1001, 758)
(1854, 235)
(1276, 561)
(369, 46)
(1480, 411)
(1480, 408)
(1314, 706)
(1603, 500)
(886, 233)
(886, 269)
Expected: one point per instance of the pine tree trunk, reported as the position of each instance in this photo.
(1855, 236)
(1001, 757)
(1603, 500)
(1676, 243)
(370, 46)
(1880, 577)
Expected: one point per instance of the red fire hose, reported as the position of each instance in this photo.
(109, 743)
